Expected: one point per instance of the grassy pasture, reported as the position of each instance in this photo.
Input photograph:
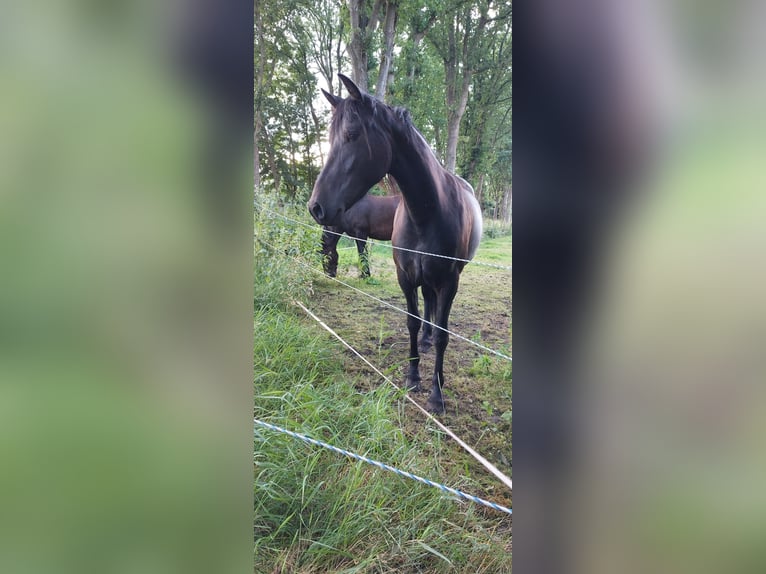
(316, 511)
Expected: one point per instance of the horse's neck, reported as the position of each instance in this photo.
(417, 173)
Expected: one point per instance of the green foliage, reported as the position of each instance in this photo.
(421, 91)
(481, 365)
(494, 229)
(288, 128)
(277, 277)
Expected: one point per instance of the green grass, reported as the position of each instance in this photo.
(495, 250)
(317, 511)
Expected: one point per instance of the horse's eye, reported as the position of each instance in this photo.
(351, 134)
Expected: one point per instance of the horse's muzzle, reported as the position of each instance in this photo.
(316, 211)
(323, 215)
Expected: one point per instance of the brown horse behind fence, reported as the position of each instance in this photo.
(439, 213)
(373, 217)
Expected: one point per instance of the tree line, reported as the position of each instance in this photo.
(448, 61)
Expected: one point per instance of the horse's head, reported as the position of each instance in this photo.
(360, 154)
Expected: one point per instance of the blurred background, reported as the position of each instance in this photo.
(675, 406)
(638, 288)
(126, 287)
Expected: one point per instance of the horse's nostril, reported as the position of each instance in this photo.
(317, 211)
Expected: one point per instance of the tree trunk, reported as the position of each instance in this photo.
(453, 133)
(356, 47)
(457, 92)
(506, 210)
(459, 67)
(362, 27)
(387, 52)
(338, 57)
(479, 191)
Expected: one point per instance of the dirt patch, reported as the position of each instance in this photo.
(477, 388)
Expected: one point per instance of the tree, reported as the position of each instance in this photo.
(324, 37)
(419, 79)
(287, 126)
(385, 72)
(363, 20)
(486, 131)
(457, 38)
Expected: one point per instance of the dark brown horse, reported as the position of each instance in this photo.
(439, 213)
(372, 216)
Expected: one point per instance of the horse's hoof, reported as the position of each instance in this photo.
(412, 384)
(425, 345)
(435, 407)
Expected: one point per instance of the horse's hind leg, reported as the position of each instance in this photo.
(364, 259)
(329, 251)
(444, 299)
(429, 302)
(412, 381)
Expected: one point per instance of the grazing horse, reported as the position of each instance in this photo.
(372, 216)
(439, 213)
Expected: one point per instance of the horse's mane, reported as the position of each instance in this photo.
(411, 133)
(404, 117)
(398, 119)
(403, 114)
(351, 108)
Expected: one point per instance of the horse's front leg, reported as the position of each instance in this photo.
(364, 260)
(329, 250)
(444, 299)
(412, 381)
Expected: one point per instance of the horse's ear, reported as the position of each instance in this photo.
(353, 91)
(334, 100)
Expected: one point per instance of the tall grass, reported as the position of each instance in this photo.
(316, 511)
(276, 277)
